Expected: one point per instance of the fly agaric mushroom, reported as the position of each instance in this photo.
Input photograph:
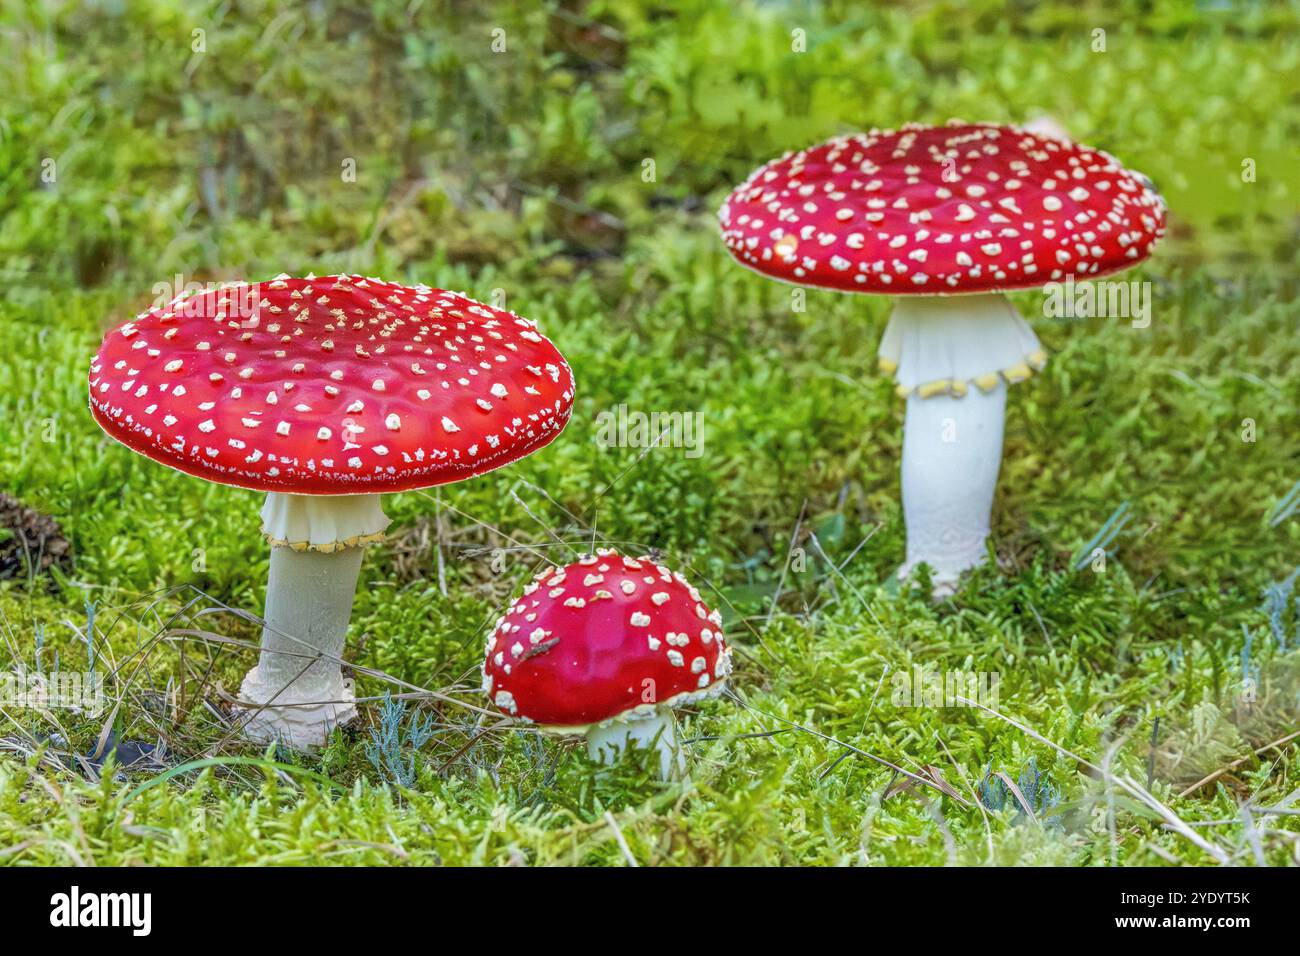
(607, 647)
(325, 393)
(947, 218)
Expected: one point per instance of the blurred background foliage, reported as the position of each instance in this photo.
(517, 155)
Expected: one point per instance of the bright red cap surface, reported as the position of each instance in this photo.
(930, 210)
(333, 385)
(605, 636)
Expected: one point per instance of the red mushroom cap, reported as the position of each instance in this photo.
(930, 210)
(336, 385)
(603, 637)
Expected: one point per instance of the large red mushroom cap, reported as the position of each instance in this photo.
(934, 210)
(328, 386)
(607, 637)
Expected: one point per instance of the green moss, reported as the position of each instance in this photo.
(523, 172)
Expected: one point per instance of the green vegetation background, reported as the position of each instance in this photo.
(526, 171)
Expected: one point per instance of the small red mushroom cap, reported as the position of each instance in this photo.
(604, 638)
(935, 210)
(332, 385)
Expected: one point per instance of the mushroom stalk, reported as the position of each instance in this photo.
(952, 450)
(606, 744)
(953, 357)
(317, 547)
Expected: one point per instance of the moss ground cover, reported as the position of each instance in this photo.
(575, 174)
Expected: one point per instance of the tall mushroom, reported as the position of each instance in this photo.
(948, 218)
(607, 647)
(325, 393)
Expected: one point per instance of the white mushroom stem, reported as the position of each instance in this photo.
(953, 357)
(317, 546)
(607, 743)
(952, 449)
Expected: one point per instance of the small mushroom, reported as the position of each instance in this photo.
(607, 647)
(325, 393)
(947, 218)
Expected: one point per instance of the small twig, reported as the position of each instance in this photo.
(1252, 835)
(1020, 797)
(1151, 757)
(618, 837)
(812, 536)
(785, 565)
(1281, 741)
(970, 788)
